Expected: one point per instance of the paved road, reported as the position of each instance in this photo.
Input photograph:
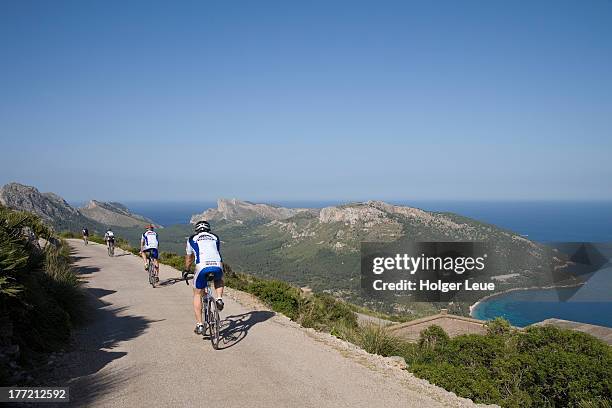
(139, 350)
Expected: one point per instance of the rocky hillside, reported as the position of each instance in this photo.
(320, 248)
(115, 214)
(51, 208)
(244, 211)
(55, 211)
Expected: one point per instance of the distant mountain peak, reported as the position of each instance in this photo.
(238, 210)
(56, 211)
(113, 213)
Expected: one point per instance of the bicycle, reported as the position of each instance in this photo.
(151, 270)
(110, 244)
(210, 312)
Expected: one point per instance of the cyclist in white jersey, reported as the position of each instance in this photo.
(149, 244)
(109, 237)
(204, 248)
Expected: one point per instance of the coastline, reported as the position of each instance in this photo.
(503, 292)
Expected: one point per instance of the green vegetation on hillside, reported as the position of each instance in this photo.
(40, 298)
(319, 311)
(539, 367)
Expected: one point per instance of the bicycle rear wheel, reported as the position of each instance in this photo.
(214, 324)
(151, 273)
(205, 315)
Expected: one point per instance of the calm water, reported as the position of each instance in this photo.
(520, 309)
(590, 303)
(167, 213)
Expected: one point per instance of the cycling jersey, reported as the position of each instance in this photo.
(109, 236)
(206, 247)
(149, 240)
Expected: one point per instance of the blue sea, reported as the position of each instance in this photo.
(169, 213)
(542, 221)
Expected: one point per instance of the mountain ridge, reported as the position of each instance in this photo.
(319, 248)
(56, 211)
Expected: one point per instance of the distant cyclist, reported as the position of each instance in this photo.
(204, 246)
(149, 245)
(85, 235)
(109, 238)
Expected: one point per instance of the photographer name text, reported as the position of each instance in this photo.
(427, 285)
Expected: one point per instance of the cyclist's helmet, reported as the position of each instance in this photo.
(202, 226)
(150, 227)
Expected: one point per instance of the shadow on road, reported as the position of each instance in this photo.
(73, 254)
(80, 368)
(77, 258)
(235, 328)
(170, 281)
(85, 270)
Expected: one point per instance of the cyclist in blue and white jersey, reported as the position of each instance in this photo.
(149, 244)
(109, 237)
(205, 248)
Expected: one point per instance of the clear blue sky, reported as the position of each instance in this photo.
(295, 100)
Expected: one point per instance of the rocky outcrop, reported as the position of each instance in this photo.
(50, 207)
(352, 214)
(375, 212)
(236, 210)
(113, 214)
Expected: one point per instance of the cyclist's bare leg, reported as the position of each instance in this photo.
(144, 257)
(156, 262)
(219, 286)
(197, 304)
